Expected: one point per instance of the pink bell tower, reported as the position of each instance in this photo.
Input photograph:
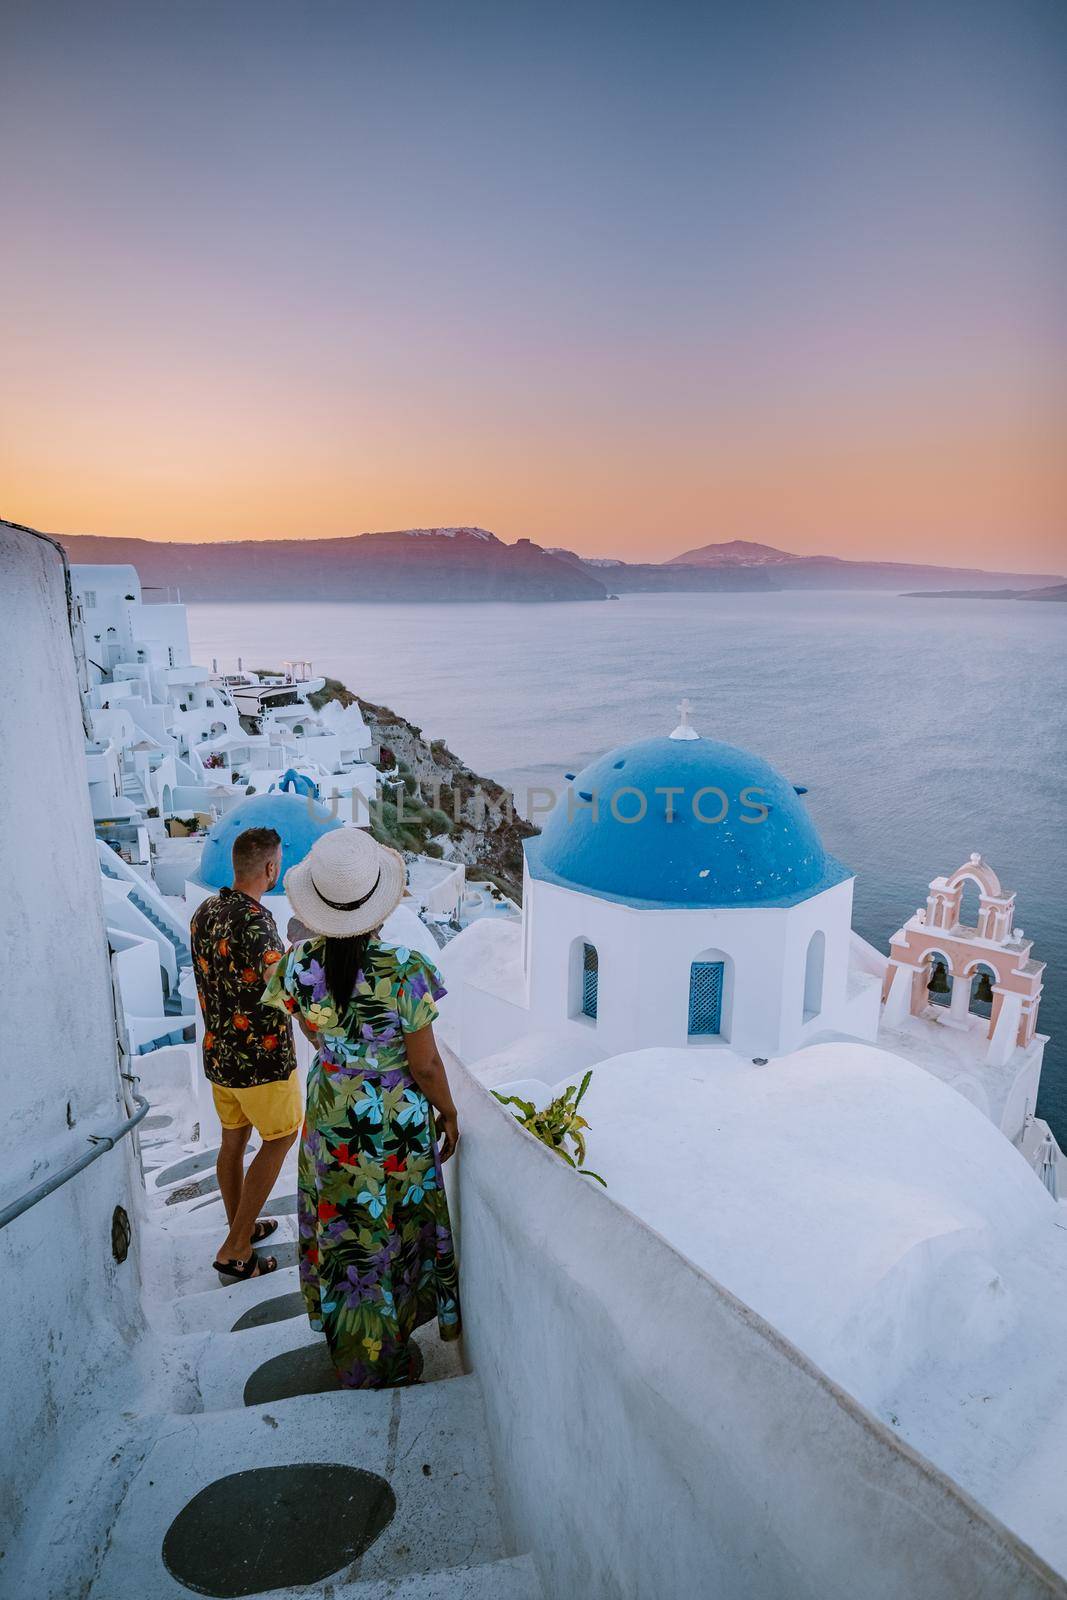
(994, 954)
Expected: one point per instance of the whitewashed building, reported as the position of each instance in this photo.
(679, 895)
(807, 1345)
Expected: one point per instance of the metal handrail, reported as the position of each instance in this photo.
(101, 1143)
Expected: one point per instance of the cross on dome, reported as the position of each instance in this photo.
(684, 730)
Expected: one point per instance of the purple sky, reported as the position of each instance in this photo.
(625, 277)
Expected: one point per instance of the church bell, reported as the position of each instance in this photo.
(984, 989)
(939, 981)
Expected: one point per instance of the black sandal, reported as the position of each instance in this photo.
(240, 1271)
(263, 1229)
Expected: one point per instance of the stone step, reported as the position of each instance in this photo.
(393, 1486)
(285, 1358)
(178, 1258)
(403, 1488)
(513, 1578)
(218, 1310)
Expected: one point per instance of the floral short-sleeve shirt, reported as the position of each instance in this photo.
(234, 941)
(395, 994)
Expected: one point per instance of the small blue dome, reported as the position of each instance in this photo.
(297, 818)
(734, 834)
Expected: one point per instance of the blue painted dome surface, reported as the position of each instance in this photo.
(763, 849)
(295, 782)
(299, 821)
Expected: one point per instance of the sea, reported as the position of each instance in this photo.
(923, 729)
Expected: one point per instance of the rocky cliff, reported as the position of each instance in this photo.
(444, 807)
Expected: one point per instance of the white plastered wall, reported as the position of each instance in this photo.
(653, 1436)
(645, 955)
(71, 1312)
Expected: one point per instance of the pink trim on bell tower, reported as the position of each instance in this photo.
(993, 943)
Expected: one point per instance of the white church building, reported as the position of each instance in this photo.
(679, 895)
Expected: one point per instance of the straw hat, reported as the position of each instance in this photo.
(346, 884)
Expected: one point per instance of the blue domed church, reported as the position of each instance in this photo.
(298, 819)
(679, 895)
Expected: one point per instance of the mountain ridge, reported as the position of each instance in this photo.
(837, 572)
(422, 564)
(465, 562)
(737, 552)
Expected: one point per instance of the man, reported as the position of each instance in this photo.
(249, 1058)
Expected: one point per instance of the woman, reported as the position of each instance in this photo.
(376, 1256)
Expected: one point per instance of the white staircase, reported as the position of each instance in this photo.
(148, 900)
(194, 1426)
(133, 788)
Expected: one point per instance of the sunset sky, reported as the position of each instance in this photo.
(625, 277)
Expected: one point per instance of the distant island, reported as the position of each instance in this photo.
(470, 563)
(1054, 591)
(744, 564)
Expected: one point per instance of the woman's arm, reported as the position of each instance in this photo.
(428, 1070)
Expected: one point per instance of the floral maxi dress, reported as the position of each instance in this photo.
(376, 1254)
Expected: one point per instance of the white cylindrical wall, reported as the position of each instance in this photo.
(70, 1310)
(645, 957)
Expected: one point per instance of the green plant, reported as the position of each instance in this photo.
(557, 1123)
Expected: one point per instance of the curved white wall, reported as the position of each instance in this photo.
(655, 1439)
(645, 958)
(70, 1311)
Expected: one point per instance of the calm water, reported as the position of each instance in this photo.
(924, 729)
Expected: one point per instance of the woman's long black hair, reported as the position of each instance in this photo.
(342, 960)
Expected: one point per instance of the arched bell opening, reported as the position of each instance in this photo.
(938, 981)
(981, 1001)
(970, 900)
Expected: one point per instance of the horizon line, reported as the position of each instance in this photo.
(473, 527)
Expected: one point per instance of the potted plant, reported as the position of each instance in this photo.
(557, 1124)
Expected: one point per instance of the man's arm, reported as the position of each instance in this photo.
(262, 955)
(272, 959)
(312, 1034)
(266, 945)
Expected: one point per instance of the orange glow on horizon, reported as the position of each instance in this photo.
(602, 279)
(973, 492)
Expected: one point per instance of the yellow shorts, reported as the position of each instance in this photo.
(275, 1110)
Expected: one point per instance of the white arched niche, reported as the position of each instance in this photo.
(814, 971)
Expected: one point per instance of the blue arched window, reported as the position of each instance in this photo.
(705, 997)
(590, 980)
